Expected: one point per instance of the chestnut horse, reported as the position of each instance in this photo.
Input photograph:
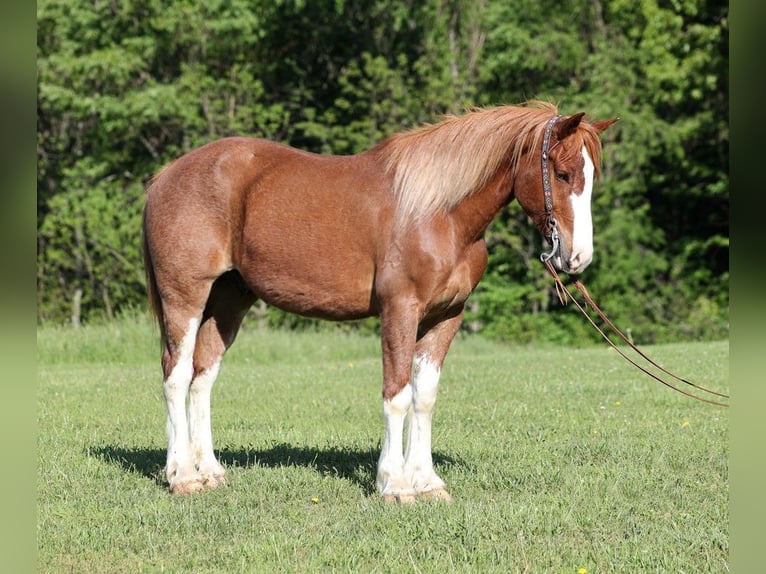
(395, 232)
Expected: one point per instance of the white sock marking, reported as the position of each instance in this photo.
(200, 428)
(390, 477)
(418, 466)
(176, 387)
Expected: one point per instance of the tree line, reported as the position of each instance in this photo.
(125, 86)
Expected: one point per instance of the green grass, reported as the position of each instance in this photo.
(557, 459)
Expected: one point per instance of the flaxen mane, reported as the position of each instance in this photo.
(436, 166)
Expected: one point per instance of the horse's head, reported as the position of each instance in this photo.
(554, 183)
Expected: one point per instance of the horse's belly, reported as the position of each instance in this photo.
(318, 291)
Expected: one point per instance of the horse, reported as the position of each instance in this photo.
(396, 232)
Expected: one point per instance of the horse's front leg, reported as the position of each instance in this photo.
(429, 358)
(398, 335)
(418, 461)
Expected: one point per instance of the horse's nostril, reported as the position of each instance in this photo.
(579, 261)
(574, 261)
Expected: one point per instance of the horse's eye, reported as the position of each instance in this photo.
(563, 177)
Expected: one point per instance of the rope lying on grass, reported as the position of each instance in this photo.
(564, 296)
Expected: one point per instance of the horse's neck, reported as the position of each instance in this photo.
(476, 213)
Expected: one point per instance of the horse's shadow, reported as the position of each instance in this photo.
(355, 465)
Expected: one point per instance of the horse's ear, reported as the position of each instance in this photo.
(567, 125)
(603, 124)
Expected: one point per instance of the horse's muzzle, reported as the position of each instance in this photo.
(575, 264)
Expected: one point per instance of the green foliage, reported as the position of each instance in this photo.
(125, 87)
(91, 245)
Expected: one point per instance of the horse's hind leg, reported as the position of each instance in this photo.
(181, 324)
(227, 305)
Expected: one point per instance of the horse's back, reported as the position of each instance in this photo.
(312, 229)
(224, 177)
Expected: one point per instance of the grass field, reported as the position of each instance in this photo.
(559, 460)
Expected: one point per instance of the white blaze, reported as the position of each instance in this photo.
(582, 234)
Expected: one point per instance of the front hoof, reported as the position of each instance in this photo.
(400, 498)
(436, 494)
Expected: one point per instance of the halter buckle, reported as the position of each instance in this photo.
(544, 257)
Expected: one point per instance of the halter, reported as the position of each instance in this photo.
(549, 229)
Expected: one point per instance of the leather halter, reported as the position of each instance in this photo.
(549, 227)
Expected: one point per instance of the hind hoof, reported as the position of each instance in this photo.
(400, 498)
(215, 481)
(189, 487)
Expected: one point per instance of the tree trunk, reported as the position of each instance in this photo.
(77, 308)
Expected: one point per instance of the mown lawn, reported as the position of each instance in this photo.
(557, 459)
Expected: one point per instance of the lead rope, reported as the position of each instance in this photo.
(564, 295)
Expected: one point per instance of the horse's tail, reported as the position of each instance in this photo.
(153, 294)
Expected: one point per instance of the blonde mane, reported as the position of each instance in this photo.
(438, 165)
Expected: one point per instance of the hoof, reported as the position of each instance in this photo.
(189, 487)
(400, 498)
(436, 494)
(215, 481)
